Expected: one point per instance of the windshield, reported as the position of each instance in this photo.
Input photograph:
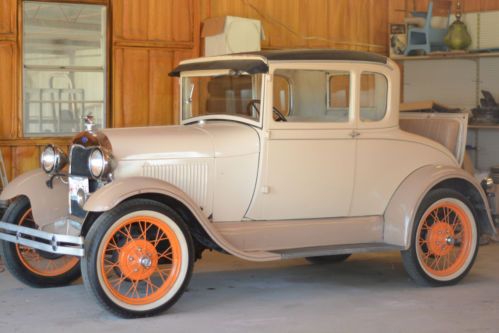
(223, 94)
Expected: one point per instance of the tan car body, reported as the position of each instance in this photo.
(233, 210)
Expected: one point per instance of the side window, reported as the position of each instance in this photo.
(282, 94)
(312, 95)
(339, 95)
(373, 96)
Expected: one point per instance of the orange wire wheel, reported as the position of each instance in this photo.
(40, 262)
(139, 258)
(445, 240)
(35, 267)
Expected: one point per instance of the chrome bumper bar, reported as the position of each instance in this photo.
(41, 240)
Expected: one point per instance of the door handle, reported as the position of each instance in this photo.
(354, 134)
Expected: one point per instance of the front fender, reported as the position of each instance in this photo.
(401, 210)
(48, 204)
(117, 191)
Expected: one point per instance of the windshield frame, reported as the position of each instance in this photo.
(206, 73)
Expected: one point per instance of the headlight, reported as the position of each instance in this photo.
(99, 163)
(53, 159)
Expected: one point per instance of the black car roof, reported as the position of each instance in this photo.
(254, 66)
(320, 54)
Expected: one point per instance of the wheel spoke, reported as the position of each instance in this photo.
(122, 257)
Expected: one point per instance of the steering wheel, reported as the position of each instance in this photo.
(254, 104)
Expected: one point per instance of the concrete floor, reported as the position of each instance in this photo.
(369, 293)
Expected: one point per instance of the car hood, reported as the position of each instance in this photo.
(211, 139)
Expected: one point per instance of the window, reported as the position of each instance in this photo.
(312, 95)
(339, 95)
(373, 96)
(222, 94)
(64, 63)
(282, 94)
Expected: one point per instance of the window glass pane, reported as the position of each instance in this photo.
(339, 95)
(235, 95)
(373, 96)
(315, 95)
(64, 60)
(64, 34)
(282, 94)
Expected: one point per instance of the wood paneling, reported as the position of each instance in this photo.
(347, 24)
(149, 37)
(143, 93)
(25, 158)
(8, 11)
(8, 89)
(153, 20)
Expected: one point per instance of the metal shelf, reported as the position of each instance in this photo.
(448, 55)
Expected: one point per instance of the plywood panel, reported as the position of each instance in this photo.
(142, 90)
(8, 11)
(153, 20)
(349, 24)
(25, 158)
(489, 5)
(8, 92)
(160, 88)
(131, 87)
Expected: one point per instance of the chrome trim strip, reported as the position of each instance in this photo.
(73, 245)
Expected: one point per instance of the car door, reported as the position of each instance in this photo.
(307, 162)
(384, 158)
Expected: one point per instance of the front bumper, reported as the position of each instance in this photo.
(41, 240)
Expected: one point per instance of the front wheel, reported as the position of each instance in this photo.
(33, 267)
(444, 241)
(139, 258)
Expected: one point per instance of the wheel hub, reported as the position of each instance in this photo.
(441, 238)
(138, 259)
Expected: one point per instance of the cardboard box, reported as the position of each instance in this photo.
(231, 34)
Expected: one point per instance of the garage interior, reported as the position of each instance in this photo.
(62, 60)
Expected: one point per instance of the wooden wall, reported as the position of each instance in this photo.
(346, 24)
(149, 37)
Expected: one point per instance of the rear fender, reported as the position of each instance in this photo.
(401, 211)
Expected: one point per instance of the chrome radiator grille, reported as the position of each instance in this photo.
(192, 178)
(79, 161)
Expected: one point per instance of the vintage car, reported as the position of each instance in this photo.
(279, 154)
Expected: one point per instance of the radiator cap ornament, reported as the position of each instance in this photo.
(89, 122)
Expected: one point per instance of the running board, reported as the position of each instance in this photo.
(336, 249)
(41, 240)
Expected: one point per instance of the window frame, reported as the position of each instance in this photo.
(317, 66)
(387, 91)
(197, 119)
(106, 68)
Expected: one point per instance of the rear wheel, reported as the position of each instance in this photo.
(139, 258)
(444, 240)
(33, 267)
